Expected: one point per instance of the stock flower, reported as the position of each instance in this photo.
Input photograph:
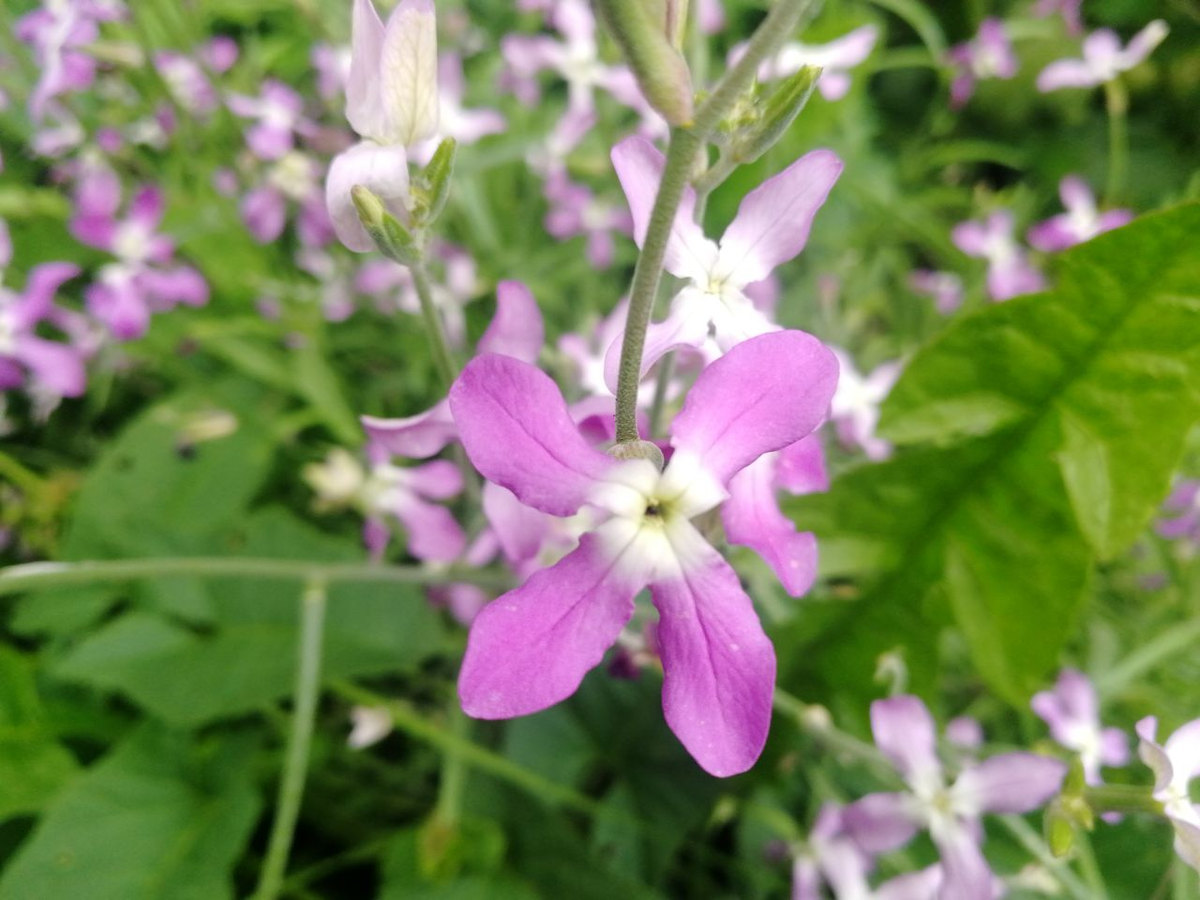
(835, 59)
(770, 228)
(574, 210)
(530, 648)
(143, 278)
(1103, 58)
(1068, 9)
(60, 31)
(988, 55)
(278, 116)
(949, 811)
(855, 407)
(1009, 271)
(392, 287)
(1183, 505)
(55, 368)
(1081, 221)
(1175, 764)
(1072, 712)
(391, 103)
(944, 287)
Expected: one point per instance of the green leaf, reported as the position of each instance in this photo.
(158, 819)
(33, 765)
(1109, 362)
(245, 656)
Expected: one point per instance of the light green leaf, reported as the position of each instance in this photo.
(1109, 361)
(158, 819)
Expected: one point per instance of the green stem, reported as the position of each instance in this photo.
(43, 575)
(1175, 639)
(452, 786)
(433, 325)
(1090, 867)
(1121, 798)
(682, 149)
(1032, 841)
(665, 370)
(295, 765)
(1116, 101)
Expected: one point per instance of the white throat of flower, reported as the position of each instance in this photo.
(8, 327)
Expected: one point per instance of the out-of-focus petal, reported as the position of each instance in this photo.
(1008, 783)
(413, 437)
(383, 170)
(881, 822)
(685, 326)
(516, 329)
(965, 872)
(364, 109)
(408, 73)
(905, 733)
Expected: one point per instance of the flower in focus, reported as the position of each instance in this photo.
(530, 648)
(1072, 712)
(391, 103)
(1081, 221)
(1103, 58)
(770, 228)
(834, 58)
(1175, 764)
(1009, 271)
(988, 55)
(855, 407)
(949, 810)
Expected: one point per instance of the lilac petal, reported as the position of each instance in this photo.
(515, 427)
(516, 329)
(1114, 747)
(268, 141)
(438, 480)
(364, 108)
(179, 284)
(1143, 43)
(718, 665)
(774, 219)
(1187, 841)
(413, 437)
(531, 647)
(1153, 754)
(146, 208)
(40, 287)
(1009, 783)
(920, 885)
(58, 367)
(433, 533)
(120, 306)
(1066, 73)
(752, 519)
(806, 879)
(685, 326)
(764, 394)
(264, 210)
(639, 168)
(881, 822)
(520, 529)
(1183, 748)
(6, 248)
(383, 170)
(801, 467)
(965, 872)
(904, 732)
(408, 72)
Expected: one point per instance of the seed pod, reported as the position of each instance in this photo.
(661, 72)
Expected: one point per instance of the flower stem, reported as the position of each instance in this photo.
(452, 786)
(295, 766)
(44, 575)
(1121, 798)
(682, 149)
(1116, 102)
(442, 357)
(1175, 639)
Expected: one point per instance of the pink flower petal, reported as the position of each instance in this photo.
(685, 326)
(762, 395)
(520, 529)
(718, 665)
(516, 329)
(801, 467)
(965, 872)
(384, 170)
(904, 732)
(1010, 783)
(531, 647)
(515, 427)
(774, 219)
(414, 437)
(433, 533)
(881, 822)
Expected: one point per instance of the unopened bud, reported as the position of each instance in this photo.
(638, 450)
(661, 72)
(432, 187)
(369, 208)
(1059, 830)
(778, 114)
(393, 240)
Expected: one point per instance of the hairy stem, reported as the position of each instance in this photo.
(442, 357)
(43, 575)
(1116, 102)
(295, 765)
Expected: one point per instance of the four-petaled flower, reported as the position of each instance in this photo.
(1103, 58)
(1175, 764)
(1081, 222)
(531, 647)
(1072, 711)
(1009, 270)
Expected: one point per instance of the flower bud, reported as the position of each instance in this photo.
(432, 187)
(1059, 829)
(780, 111)
(369, 208)
(393, 240)
(661, 72)
(638, 450)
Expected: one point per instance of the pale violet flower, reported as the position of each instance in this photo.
(712, 310)
(945, 288)
(988, 55)
(835, 58)
(1068, 9)
(1175, 763)
(855, 407)
(1072, 712)
(949, 809)
(1081, 222)
(1103, 58)
(1182, 509)
(391, 103)
(1009, 271)
(531, 647)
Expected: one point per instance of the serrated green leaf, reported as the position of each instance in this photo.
(158, 819)
(1109, 360)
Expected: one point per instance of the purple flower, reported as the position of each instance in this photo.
(988, 55)
(1103, 58)
(392, 103)
(294, 178)
(574, 210)
(949, 811)
(1068, 9)
(1009, 271)
(187, 82)
(1072, 712)
(393, 287)
(531, 647)
(855, 407)
(278, 115)
(1081, 221)
(55, 368)
(835, 59)
(1184, 503)
(770, 228)
(59, 32)
(944, 287)
(454, 120)
(1175, 764)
